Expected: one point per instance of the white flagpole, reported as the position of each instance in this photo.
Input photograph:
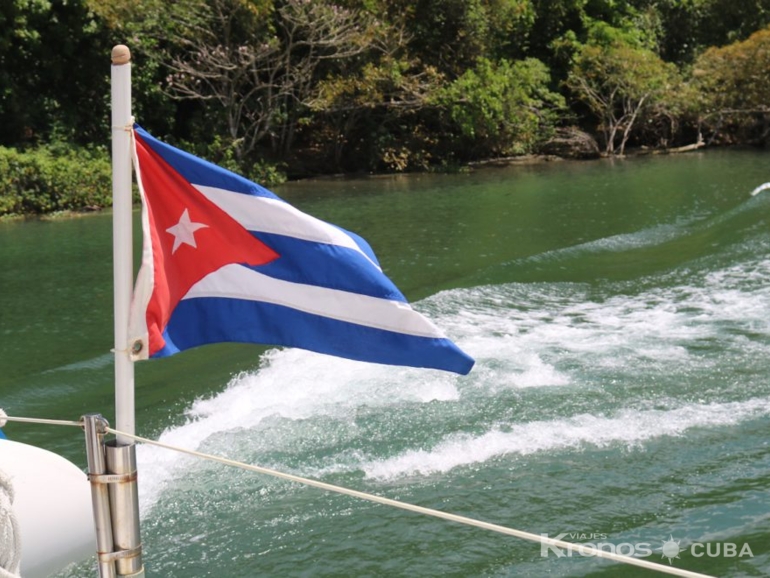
(125, 555)
(122, 243)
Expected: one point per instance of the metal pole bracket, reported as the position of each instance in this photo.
(108, 557)
(112, 478)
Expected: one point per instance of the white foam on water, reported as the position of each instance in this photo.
(95, 363)
(520, 325)
(760, 188)
(648, 237)
(627, 428)
(291, 384)
(523, 336)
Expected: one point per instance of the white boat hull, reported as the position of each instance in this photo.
(52, 506)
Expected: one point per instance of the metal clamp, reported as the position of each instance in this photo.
(99, 424)
(120, 554)
(112, 478)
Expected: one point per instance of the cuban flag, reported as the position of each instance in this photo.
(224, 259)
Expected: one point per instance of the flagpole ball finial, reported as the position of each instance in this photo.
(120, 55)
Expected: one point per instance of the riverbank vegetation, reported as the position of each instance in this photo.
(292, 88)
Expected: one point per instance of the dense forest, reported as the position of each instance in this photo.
(276, 88)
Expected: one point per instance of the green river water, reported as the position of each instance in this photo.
(619, 313)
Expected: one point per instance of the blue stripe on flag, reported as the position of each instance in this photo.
(213, 319)
(362, 244)
(333, 267)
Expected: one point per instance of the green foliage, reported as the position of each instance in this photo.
(732, 84)
(266, 87)
(40, 181)
(505, 107)
(151, 28)
(265, 173)
(621, 84)
(385, 96)
(691, 26)
(562, 27)
(736, 76)
(51, 52)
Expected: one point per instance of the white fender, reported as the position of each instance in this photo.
(52, 505)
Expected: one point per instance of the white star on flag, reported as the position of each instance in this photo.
(184, 231)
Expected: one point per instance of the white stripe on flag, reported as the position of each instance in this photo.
(238, 282)
(145, 279)
(265, 215)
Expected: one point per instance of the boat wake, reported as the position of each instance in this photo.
(627, 428)
(561, 367)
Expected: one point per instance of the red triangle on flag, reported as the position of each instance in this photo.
(191, 238)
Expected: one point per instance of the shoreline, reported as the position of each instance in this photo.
(498, 162)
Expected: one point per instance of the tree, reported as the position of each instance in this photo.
(688, 27)
(151, 29)
(260, 62)
(50, 87)
(619, 83)
(503, 107)
(733, 83)
(451, 35)
(388, 92)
